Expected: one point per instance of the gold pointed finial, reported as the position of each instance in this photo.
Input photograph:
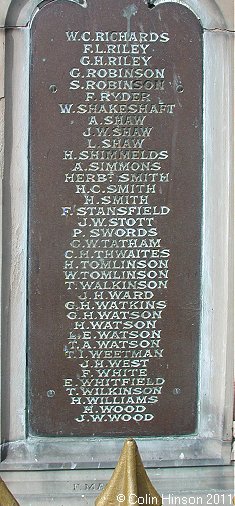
(6, 498)
(129, 483)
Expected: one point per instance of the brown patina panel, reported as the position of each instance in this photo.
(115, 219)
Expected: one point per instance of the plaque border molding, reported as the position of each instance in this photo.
(212, 443)
(19, 13)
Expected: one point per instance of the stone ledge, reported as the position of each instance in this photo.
(198, 485)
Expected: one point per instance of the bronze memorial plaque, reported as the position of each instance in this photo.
(115, 219)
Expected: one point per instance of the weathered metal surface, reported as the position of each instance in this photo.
(115, 216)
(6, 498)
(129, 481)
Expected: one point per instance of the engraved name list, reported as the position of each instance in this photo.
(115, 220)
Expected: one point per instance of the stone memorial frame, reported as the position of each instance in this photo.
(211, 445)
